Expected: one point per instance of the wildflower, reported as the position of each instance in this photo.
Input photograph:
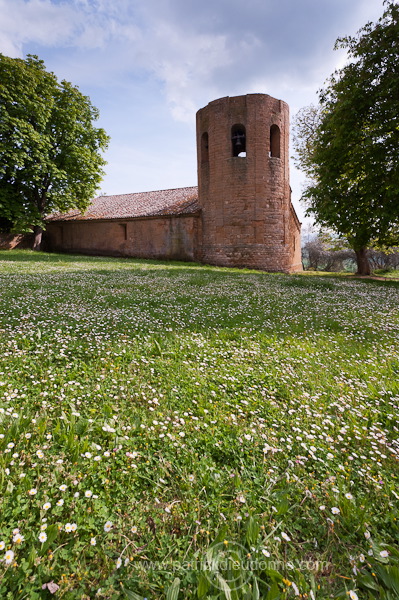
(322, 507)
(191, 477)
(295, 588)
(18, 538)
(119, 563)
(88, 493)
(73, 527)
(32, 492)
(353, 595)
(43, 526)
(42, 537)
(40, 454)
(367, 535)
(349, 496)
(383, 553)
(9, 557)
(63, 487)
(2, 545)
(46, 505)
(361, 558)
(134, 529)
(108, 526)
(93, 541)
(68, 527)
(285, 537)
(335, 510)
(266, 552)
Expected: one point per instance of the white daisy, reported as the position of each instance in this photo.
(18, 538)
(9, 557)
(108, 526)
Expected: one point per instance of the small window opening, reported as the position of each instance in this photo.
(238, 140)
(124, 230)
(204, 148)
(274, 141)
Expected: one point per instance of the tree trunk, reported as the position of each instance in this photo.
(363, 265)
(37, 242)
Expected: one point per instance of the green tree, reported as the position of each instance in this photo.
(352, 157)
(50, 152)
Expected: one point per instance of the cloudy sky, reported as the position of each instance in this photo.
(149, 65)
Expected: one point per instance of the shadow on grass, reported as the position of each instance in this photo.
(104, 264)
(120, 262)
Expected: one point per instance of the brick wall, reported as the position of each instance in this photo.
(246, 220)
(9, 241)
(158, 237)
(247, 217)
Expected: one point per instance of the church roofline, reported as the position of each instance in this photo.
(172, 202)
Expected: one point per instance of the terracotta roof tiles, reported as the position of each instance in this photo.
(128, 206)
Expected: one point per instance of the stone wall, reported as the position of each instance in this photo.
(176, 237)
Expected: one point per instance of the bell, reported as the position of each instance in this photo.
(237, 137)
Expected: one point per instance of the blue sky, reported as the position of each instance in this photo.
(149, 65)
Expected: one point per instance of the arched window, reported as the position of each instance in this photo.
(204, 148)
(238, 141)
(275, 141)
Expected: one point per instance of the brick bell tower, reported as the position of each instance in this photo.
(243, 184)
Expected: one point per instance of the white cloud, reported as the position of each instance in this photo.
(37, 21)
(136, 57)
(198, 51)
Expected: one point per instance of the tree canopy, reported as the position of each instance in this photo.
(349, 144)
(50, 151)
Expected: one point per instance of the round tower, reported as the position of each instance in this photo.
(243, 184)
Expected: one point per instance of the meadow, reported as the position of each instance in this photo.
(172, 431)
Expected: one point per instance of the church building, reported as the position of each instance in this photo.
(240, 215)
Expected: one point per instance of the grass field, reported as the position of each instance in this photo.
(173, 431)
